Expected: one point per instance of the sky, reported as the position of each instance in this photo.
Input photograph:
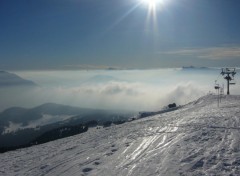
(73, 34)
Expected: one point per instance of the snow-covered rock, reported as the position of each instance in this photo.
(196, 139)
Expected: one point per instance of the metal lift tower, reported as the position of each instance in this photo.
(229, 72)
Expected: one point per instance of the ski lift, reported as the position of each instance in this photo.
(222, 72)
(230, 73)
(216, 86)
(221, 91)
(233, 81)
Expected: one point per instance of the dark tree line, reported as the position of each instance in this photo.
(50, 135)
(59, 133)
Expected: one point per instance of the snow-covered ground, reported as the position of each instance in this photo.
(197, 139)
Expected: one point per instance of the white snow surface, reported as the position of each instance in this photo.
(197, 139)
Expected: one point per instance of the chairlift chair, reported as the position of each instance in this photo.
(216, 86)
(233, 81)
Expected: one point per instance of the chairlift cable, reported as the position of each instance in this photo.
(216, 80)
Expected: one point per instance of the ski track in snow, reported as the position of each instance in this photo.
(197, 139)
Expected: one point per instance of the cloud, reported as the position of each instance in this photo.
(116, 88)
(111, 95)
(140, 90)
(89, 67)
(182, 94)
(213, 53)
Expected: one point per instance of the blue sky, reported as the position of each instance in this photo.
(69, 34)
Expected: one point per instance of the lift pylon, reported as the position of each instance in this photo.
(230, 73)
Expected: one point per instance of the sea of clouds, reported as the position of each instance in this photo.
(138, 90)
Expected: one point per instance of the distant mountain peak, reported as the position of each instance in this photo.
(193, 67)
(11, 79)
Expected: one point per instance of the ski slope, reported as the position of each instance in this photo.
(197, 139)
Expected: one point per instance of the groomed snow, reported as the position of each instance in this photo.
(196, 139)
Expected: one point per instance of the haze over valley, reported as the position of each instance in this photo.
(135, 90)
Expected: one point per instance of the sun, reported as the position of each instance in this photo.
(151, 3)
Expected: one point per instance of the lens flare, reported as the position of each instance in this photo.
(151, 3)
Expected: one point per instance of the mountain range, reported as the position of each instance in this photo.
(19, 126)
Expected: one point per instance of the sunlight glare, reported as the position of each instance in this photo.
(152, 3)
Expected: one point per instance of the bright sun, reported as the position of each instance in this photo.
(151, 3)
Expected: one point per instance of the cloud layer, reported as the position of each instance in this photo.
(138, 90)
(213, 53)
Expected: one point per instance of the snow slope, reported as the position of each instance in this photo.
(197, 139)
